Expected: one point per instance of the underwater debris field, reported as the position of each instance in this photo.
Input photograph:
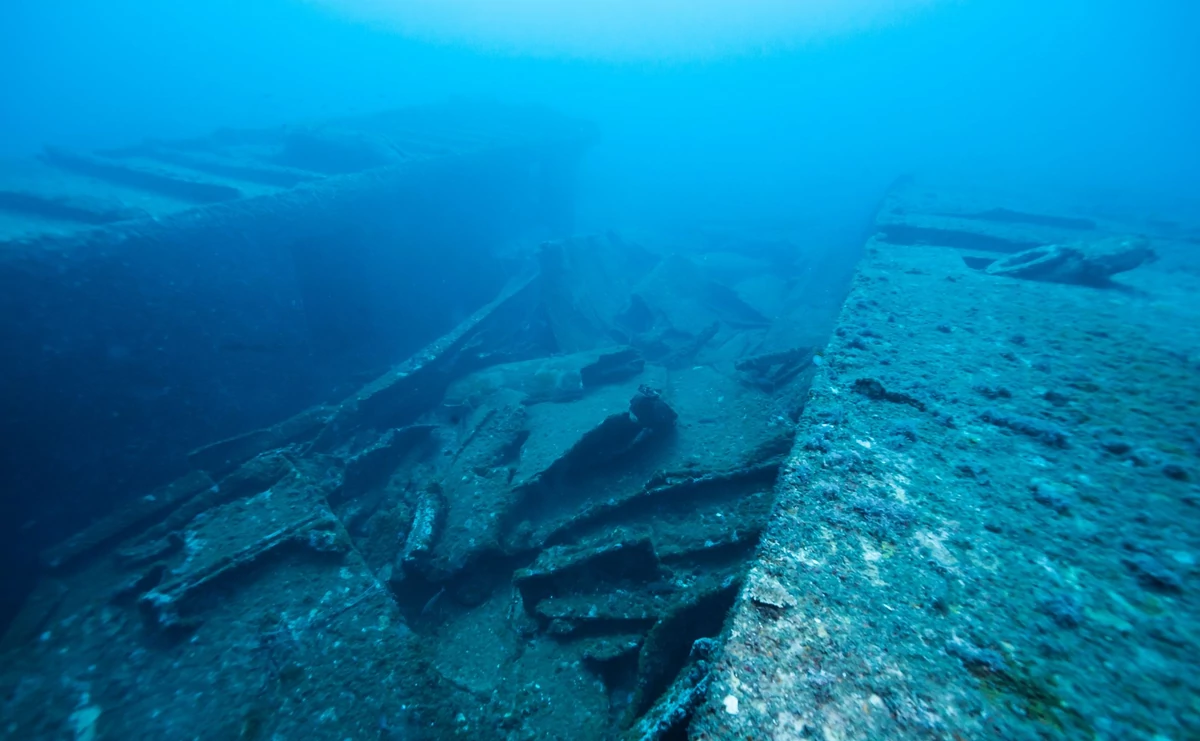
(650, 495)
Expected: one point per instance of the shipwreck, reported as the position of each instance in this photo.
(589, 488)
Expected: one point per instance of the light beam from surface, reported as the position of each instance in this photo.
(615, 30)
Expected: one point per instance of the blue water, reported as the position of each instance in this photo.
(705, 119)
(770, 107)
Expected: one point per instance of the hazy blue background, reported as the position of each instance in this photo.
(797, 111)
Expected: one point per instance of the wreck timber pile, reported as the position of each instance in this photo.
(156, 297)
(988, 526)
(636, 497)
(532, 528)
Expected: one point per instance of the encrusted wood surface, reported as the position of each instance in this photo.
(987, 527)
